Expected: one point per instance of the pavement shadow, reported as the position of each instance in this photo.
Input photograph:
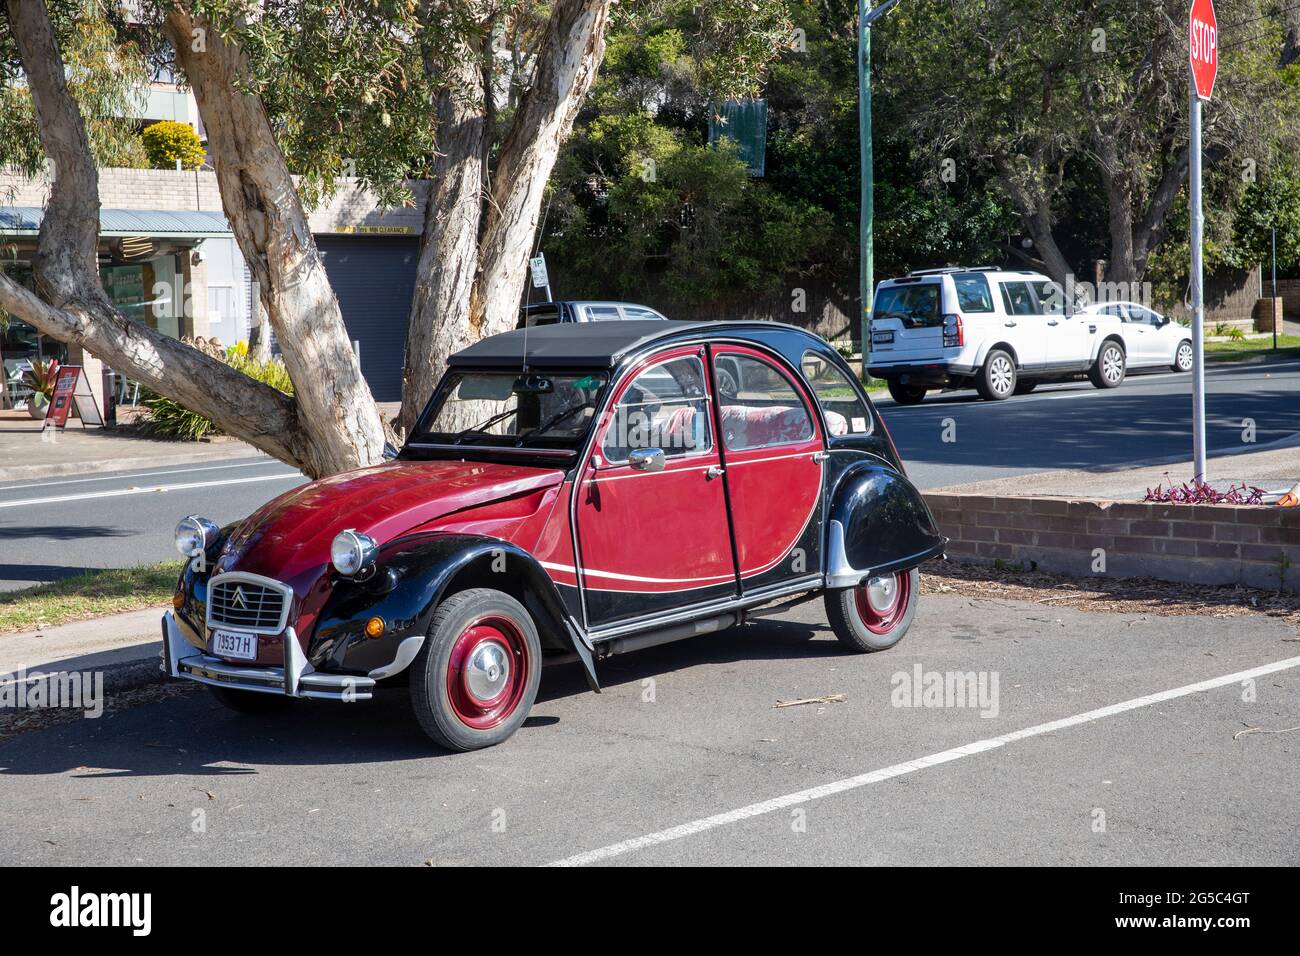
(41, 573)
(189, 734)
(63, 532)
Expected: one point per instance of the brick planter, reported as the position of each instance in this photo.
(1256, 545)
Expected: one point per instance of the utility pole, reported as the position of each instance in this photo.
(1272, 305)
(866, 213)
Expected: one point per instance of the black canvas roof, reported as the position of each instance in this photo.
(571, 344)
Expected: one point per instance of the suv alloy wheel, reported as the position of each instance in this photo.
(997, 379)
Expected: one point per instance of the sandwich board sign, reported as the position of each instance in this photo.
(71, 386)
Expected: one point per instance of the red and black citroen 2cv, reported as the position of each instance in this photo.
(570, 492)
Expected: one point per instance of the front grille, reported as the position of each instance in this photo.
(237, 601)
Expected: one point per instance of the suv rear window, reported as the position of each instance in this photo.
(917, 306)
(973, 293)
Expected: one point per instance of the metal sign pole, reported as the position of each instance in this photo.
(1198, 292)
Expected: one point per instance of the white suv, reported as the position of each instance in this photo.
(996, 331)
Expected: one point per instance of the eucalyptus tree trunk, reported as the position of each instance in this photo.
(70, 303)
(495, 238)
(261, 201)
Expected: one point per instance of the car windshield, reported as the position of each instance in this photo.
(510, 410)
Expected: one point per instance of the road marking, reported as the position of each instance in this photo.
(132, 475)
(116, 492)
(911, 766)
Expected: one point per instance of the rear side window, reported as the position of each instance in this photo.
(1017, 298)
(845, 411)
(1051, 300)
(916, 306)
(766, 410)
(973, 294)
(603, 313)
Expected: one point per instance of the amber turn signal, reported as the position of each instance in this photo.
(375, 627)
(178, 599)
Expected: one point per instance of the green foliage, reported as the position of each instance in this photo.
(167, 141)
(106, 73)
(168, 419)
(42, 377)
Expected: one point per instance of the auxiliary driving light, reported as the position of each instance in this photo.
(375, 627)
(351, 552)
(195, 534)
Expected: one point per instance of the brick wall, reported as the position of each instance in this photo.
(349, 209)
(1200, 544)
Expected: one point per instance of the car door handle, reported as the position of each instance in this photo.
(1009, 324)
(1053, 322)
(715, 471)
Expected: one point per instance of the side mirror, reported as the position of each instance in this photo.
(647, 459)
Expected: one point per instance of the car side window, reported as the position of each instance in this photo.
(765, 410)
(973, 293)
(845, 411)
(602, 313)
(1017, 298)
(632, 312)
(667, 407)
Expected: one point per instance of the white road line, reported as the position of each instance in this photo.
(116, 492)
(132, 475)
(911, 766)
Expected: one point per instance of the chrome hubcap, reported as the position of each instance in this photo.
(1110, 365)
(881, 593)
(1001, 375)
(487, 672)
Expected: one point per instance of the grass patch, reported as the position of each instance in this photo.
(1288, 345)
(84, 596)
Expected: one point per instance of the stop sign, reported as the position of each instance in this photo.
(1204, 48)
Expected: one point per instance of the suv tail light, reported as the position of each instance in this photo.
(953, 333)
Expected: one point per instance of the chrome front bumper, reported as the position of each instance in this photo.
(297, 678)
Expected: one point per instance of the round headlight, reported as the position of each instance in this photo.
(194, 534)
(351, 552)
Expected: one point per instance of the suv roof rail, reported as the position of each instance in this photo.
(945, 270)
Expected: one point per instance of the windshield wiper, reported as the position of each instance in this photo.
(464, 433)
(555, 420)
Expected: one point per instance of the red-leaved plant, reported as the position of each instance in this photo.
(1200, 493)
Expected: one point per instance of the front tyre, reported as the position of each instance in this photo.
(476, 677)
(996, 380)
(905, 394)
(875, 615)
(1183, 357)
(1108, 370)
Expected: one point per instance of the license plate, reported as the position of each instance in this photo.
(882, 338)
(234, 645)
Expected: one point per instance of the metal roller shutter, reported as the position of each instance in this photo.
(374, 279)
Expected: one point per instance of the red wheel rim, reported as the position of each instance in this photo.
(884, 616)
(487, 672)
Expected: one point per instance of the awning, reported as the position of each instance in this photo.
(159, 223)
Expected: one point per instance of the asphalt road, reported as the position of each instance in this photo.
(1074, 425)
(56, 527)
(684, 759)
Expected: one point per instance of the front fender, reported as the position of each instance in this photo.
(878, 524)
(411, 578)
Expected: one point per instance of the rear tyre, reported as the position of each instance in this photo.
(476, 677)
(1024, 387)
(251, 702)
(1108, 370)
(997, 379)
(905, 394)
(1183, 357)
(875, 615)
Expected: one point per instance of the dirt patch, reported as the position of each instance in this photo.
(1109, 595)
